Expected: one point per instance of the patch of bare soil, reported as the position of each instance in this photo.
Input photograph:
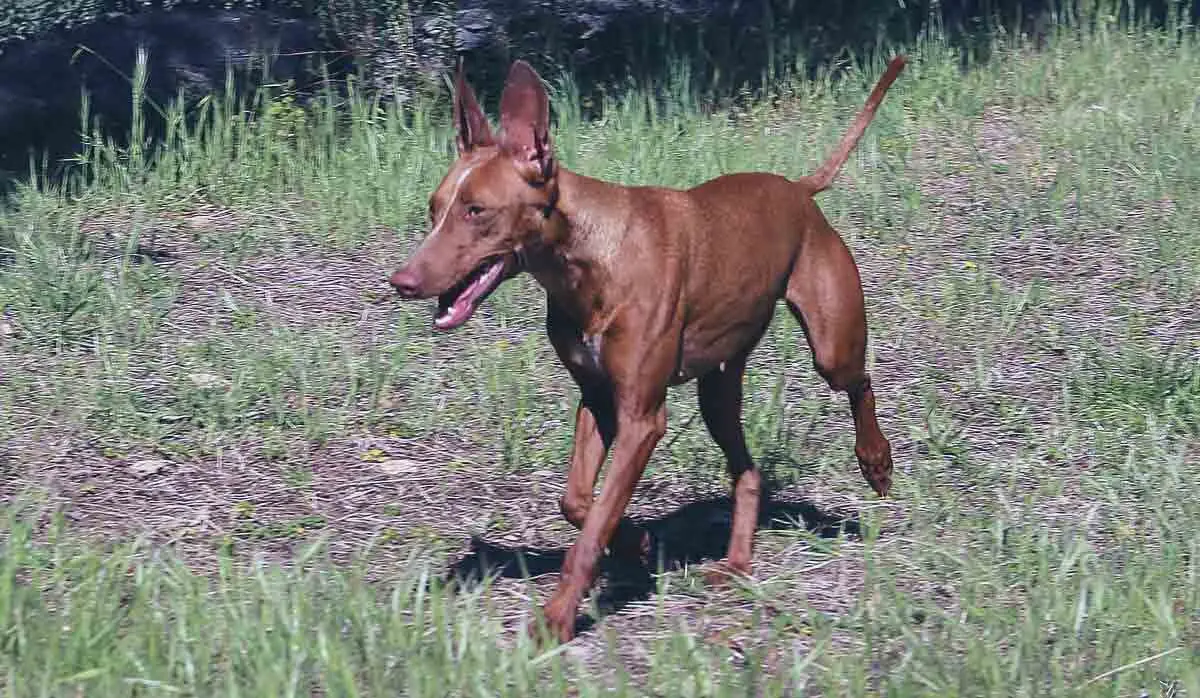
(418, 496)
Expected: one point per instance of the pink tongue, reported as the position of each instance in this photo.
(464, 306)
(455, 315)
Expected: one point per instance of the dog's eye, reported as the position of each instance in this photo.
(474, 211)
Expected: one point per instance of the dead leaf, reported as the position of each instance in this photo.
(148, 467)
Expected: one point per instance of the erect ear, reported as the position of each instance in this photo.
(525, 119)
(469, 119)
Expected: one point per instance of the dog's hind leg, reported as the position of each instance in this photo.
(824, 293)
(720, 393)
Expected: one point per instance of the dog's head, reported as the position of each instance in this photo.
(493, 205)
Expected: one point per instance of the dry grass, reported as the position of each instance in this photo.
(1034, 347)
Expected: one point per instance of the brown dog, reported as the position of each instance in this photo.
(646, 288)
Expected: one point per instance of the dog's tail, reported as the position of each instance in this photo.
(822, 179)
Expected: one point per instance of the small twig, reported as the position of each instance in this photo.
(1131, 665)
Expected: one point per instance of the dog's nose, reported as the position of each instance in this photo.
(406, 283)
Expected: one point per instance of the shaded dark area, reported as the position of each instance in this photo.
(730, 43)
(725, 44)
(693, 534)
(41, 81)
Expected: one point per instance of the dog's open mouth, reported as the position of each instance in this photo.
(457, 305)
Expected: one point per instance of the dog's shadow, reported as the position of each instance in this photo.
(693, 534)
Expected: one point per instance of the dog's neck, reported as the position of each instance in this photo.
(590, 226)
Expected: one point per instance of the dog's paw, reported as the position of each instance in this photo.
(559, 619)
(875, 462)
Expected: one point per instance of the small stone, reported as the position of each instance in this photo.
(205, 380)
(6, 329)
(399, 466)
(148, 467)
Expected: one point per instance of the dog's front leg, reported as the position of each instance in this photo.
(595, 430)
(640, 425)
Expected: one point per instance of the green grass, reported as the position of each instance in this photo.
(1027, 233)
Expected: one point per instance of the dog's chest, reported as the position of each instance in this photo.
(585, 355)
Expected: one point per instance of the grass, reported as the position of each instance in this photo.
(233, 467)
